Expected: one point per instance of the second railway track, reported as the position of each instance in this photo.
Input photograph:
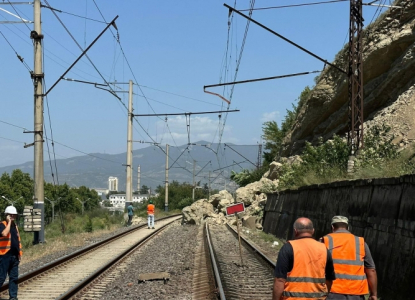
(63, 279)
(252, 279)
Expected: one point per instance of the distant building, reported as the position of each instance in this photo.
(113, 184)
(101, 192)
(118, 200)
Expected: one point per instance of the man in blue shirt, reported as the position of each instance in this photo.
(130, 210)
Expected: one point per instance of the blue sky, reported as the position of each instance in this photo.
(171, 46)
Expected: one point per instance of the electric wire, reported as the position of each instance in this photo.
(79, 46)
(178, 95)
(18, 56)
(294, 5)
(18, 14)
(72, 14)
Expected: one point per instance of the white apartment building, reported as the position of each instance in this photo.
(118, 200)
(113, 183)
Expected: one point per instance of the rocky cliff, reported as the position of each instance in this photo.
(389, 85)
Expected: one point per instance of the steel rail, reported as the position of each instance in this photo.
(253, 247)
(29, 275)
(215, 266)
(84, 283)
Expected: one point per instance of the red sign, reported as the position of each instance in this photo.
(235, 208)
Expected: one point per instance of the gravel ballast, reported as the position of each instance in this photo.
(171, 251)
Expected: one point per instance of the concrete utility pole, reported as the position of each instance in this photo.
(83, 204)
(52, 202)
(166, 199)
(194, 184)
(209, 184)
(129, 181)
(37, 76)
(139, 179)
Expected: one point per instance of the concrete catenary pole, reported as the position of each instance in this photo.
(166, 198)
(129, 181)
(37, 76)
(209, 184)
(194, 184)
(138, 179)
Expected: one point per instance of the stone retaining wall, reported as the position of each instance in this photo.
(380, 210)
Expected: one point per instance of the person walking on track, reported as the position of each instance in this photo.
(304, 268)
(353, 263)
(10, 251)
(150, 213)
(130, 210)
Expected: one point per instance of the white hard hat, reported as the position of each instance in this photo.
(11, 210)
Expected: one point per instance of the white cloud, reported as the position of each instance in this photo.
(201, 128)
(270, 116)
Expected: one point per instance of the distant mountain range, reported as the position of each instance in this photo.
(94, 169)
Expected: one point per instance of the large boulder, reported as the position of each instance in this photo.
(197, 212)
(216, 199)
(250, 193)
(274, 171)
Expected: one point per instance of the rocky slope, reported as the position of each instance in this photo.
(389, 85)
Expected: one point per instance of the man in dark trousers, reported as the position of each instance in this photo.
(353, 263)
(10, 251)
(130, 211)
(304, 269)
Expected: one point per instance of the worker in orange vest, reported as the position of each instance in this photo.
(304, 267)
(10, 251)
(150, 214)
(353, 263)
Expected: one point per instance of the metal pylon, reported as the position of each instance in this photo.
(355, 77)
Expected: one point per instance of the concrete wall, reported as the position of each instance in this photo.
(380, 210)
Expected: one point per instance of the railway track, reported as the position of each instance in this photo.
(251, 279)
(67, 277)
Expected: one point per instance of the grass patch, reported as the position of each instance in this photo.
(78, 231)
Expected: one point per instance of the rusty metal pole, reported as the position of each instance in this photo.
(239, 237)
(355, 77)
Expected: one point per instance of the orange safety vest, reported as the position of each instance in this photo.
(6, 242)
(348, 252)
(150, 209)
(307, 279)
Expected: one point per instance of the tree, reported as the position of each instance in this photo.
(179, 195)
(144, 189)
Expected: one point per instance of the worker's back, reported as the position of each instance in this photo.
(150, 209)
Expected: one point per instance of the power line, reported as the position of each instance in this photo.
(18, 14)
(294, 5)
(18, 56)
(75, 15)
(178, 95)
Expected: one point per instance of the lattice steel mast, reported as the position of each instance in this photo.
(355, 77)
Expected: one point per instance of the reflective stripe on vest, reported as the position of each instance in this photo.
(6, 242)
(348, 252)
(307, 282)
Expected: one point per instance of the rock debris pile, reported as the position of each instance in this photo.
(213, 209)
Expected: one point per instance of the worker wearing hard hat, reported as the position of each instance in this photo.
(10, 251)
(353, 263)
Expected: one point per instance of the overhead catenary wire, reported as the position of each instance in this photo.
(18, 56)
(18, 14)
(294, 5)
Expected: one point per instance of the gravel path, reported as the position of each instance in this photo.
(171, 251)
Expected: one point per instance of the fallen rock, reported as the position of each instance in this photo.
(249, 222)
(197, 212)
(217, 198)
(274, 170)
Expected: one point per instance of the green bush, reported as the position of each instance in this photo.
(88, 225)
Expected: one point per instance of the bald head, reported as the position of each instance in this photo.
(303, 227)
